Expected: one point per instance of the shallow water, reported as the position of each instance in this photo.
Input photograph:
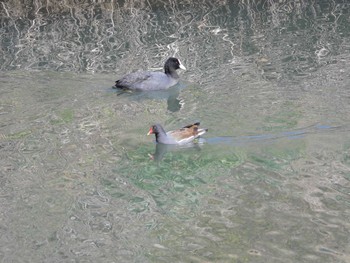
(80, 180)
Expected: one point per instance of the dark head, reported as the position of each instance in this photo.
(158, 131)
(153, 130)
(171, 65)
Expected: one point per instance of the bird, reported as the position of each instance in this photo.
(152, 80)
(181, 136)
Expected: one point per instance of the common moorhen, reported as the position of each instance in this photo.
(181, 136)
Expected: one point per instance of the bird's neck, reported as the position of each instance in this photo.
(171, 72)
(160, 134)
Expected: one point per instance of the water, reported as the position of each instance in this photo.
(80, 180)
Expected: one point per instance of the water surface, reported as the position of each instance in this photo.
(270, 180)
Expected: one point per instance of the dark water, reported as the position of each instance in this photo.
(81, 182)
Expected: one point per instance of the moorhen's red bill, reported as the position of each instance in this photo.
(181, 136)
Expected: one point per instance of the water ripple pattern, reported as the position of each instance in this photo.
(80, 181)
(99, 37)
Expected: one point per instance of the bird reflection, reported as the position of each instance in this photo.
(174, 104)
(162, 149)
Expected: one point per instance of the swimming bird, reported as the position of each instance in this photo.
(181, 136)
(152, 80)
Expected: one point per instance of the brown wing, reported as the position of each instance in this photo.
(194, 124)
(187, 132)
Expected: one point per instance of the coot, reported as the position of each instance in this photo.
(146, 80)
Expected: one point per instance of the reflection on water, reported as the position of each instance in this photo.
(170, 95)
(100, 37)
(270, 183)
(162, 149)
